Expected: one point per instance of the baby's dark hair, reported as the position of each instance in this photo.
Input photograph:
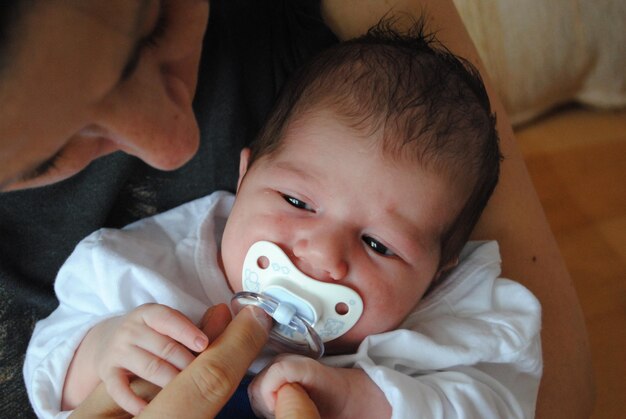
(428, 104)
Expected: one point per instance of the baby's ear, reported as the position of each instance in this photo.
(244, 158)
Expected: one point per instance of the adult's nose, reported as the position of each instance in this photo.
(164, 138)
(151, 117)
(150, 114)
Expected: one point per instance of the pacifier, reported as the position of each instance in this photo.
(307, 312)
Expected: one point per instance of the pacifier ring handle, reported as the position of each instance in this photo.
(313, 346)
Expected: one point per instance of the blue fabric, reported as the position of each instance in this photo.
(239, 405)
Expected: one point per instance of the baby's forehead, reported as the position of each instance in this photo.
(391, 145)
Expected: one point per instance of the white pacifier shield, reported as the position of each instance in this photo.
(331, 309)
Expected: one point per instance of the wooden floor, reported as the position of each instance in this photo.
(577, 159)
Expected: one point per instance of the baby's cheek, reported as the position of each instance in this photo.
(234, 282)
(278, 227)
(231, 268)
(368, 324)
(385, 313)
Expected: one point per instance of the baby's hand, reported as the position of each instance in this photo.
(153, 342)
(337, 392)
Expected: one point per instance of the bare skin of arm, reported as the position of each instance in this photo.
(514, 217)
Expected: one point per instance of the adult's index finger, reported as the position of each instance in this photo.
(201, 389)
(293, 402)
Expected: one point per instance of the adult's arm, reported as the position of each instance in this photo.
(514, 217)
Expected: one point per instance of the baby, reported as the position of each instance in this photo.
(371, 173)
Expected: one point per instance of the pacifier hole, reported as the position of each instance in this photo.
(263, 262)
(341, 309)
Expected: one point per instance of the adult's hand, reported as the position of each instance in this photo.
(208, 382)
(293, 402)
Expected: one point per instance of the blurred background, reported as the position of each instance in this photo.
(560, 68)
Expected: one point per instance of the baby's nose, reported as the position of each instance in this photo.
(321, 261)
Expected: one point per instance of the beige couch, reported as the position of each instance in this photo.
(543, 53)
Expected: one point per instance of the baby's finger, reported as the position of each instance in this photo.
(149, 367)
(285, 369)
(165, 348)
(118, 387)
(173, 323)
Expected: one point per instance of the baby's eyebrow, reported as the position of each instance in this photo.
(407, 237)
(417, 237)
(292, 168)
(297, 171)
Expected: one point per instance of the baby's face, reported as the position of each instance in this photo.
(344, 213)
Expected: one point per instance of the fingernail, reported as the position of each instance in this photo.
(264, 319)
(201, 343)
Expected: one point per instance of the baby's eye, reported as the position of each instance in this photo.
(298, 203)
(377, 246)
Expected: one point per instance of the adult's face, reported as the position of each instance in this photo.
(88, 77)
